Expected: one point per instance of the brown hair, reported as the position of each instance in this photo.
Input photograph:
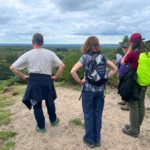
(38, 39)
(141, 46)
(91, 45)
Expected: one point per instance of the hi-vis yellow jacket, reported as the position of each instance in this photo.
(143, 70)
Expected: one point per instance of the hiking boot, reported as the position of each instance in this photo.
(54, 123)
(128, 132)
(126, 107)
(97, 144)
(89, 145)
(41, 130)
(127, 126)
(122, 103)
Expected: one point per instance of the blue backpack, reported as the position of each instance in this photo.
(97, 74)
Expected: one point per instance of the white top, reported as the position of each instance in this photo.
(118, 57)
(38, 61)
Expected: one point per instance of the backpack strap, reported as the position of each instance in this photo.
(93, 55)
(138, 51)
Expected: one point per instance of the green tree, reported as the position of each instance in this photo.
(124, 41)
(10, 58)
(148, 43)
(5, 72)
(1, 58)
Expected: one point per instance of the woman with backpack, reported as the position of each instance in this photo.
(93, 95)
(137, 107)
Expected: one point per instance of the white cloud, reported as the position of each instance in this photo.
(66, 21)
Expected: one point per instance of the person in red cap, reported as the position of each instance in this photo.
(137, 107)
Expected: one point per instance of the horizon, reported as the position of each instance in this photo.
(56, 45)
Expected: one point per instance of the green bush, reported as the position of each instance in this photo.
(12, 81)
(114, 80)
(70, 60)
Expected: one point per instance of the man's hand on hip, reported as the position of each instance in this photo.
(54, 78)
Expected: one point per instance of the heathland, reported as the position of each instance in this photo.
(17, 123)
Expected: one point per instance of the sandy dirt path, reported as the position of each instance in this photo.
(67, 136)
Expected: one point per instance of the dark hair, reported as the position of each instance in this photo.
(91, 45)
(141, 46)
(38, 39)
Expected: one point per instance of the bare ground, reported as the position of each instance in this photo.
(67, 136)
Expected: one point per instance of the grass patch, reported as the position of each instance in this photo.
(4, 114)
(76, 122)
(148, 91)
(148, 108)
(3, 98)
(5, 135)
(7, 146)
(10, 144)
(4, 117)
(5, 103)
(3, 148)
(76, 89)
(146, 116)
(61, 84)
(17, 91)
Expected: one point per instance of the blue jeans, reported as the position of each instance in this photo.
(92, 103)
(38, 113)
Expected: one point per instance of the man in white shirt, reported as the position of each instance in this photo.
(39, 63)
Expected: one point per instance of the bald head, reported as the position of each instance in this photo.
(38, 39)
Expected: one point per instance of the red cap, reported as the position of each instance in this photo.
(135, 37)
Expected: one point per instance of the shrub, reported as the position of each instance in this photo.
(70, 60)
(114, 80)
(12, 81)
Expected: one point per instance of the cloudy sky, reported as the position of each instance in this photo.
(72, 21)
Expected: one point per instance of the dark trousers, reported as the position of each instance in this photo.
(120, 77)
(137, 111)
(38, 113)
(92, 103)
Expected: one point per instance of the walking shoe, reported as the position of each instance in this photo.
(122, 103)
(97, 144)
(126, 107)
(90, 145)
(54, 123)
(127, 126)
(128, 132)
(40, 130)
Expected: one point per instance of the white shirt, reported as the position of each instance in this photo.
(38, 61)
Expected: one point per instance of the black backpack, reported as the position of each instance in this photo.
(97, 74)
